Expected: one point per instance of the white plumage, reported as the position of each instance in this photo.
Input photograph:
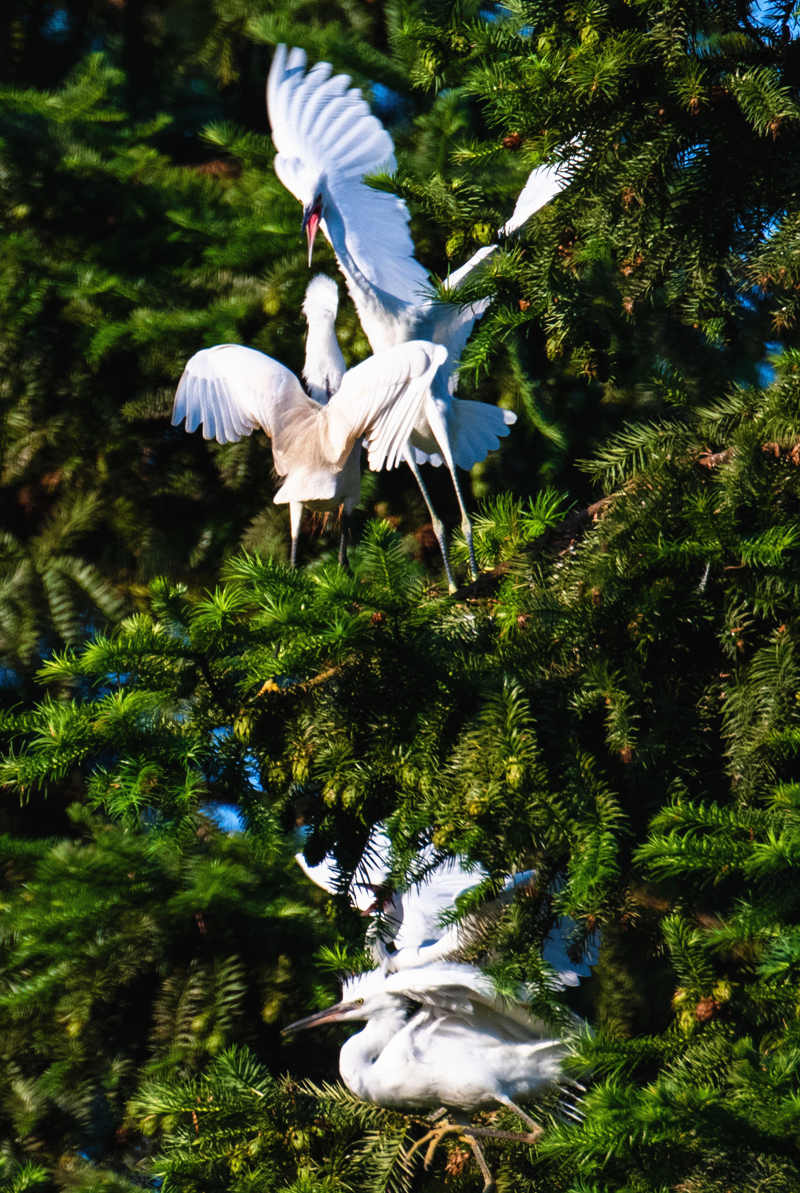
(410, 929)
(437, 1032)
(327, 141)
(231, 390)
(441, 1035)
(324, 132)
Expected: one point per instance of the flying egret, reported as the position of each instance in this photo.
(327, 141)
(440, 1035)
(316, 440)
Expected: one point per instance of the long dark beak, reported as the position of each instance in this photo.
(311, 218)
(329, 1015)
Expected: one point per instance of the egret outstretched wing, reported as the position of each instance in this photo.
(323, 129)
(322, 121)
(381, 399)
(412, 924)
(370, 873)
(424, 904)
(230, 390)
(476, 429)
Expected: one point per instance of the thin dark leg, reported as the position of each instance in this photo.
(344, 539)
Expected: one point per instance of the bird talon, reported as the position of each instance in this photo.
(433, 1138)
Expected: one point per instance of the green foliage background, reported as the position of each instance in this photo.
(617, 700)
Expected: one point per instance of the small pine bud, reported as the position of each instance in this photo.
(512, 141)
(706, 1009)
(219, 168)
(456, 1161)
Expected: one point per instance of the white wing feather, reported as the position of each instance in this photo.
(476, 428)
(413, 921)
(321, 128)
(544, 183)
(381, 399)
(464, 990)
(230, 390)
(327, 875)
(423, 905)
(455, 278)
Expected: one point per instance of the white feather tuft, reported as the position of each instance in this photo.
(544, 183)
(321, 299)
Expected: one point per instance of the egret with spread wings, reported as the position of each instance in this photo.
(437, 1032)
(327, 141)
(316, 443)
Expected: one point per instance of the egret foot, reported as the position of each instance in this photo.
(433, 1138)
(468, 1133)
(488, 1180)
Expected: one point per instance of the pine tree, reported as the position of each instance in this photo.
(133, 953)
(613, 704)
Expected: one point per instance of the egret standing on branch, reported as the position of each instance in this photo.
(437, 1031)
(441, 1036)
(316, 442)
(327, 141)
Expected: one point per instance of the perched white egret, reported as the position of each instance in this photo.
(327, 141)
(316, 440)
(437, 1031)
(441, 1036)
(432, 1011)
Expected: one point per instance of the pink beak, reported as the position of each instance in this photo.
(311, 225)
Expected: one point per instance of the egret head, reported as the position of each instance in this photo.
(362, 997)
(321, 300)
(308, 187)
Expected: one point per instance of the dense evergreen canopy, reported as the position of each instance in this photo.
(615, 701)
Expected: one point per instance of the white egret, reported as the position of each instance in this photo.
(316, 442)
(441, 1036)
(327, 141)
